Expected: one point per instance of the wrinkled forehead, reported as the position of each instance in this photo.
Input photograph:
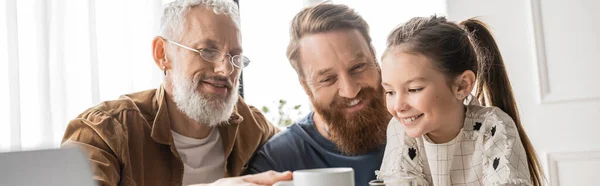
(335, 50)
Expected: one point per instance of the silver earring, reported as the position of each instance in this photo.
(165, 70)
(460, 96)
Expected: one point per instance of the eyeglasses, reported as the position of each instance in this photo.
(216, 56)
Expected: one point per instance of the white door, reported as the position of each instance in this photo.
(551, 52)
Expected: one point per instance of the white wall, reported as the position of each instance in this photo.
(265, 32)
(550, 48)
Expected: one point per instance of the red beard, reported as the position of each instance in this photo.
(361, 131)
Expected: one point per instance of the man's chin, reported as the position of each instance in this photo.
(358, 132)
(350, 116)
(206, 94)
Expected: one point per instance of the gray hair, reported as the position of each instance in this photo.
(173, 19)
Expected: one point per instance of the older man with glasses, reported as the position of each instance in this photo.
(193, 129)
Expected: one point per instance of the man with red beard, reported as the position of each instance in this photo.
(331, 52)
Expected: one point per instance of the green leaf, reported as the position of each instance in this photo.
(265, 109)
(297, 107)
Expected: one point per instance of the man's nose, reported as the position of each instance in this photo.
(348, 87)
(224, 67)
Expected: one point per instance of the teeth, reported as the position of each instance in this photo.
(406, 120)
(353, 102)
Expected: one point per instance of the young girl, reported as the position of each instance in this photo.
(440, 134)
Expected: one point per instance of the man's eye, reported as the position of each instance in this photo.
(326, 80)
(209, 53)
(358, 67)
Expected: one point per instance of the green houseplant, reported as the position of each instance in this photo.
(283, 115)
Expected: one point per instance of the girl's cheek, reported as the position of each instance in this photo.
(390, 105)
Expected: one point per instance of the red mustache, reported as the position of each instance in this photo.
(364, 94)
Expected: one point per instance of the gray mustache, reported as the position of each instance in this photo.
(220, 79)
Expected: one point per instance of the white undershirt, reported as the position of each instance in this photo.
(203, 159)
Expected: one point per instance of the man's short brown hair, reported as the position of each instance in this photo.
(322, 18)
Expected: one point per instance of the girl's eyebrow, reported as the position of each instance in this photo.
(415, 79)
(407, 82)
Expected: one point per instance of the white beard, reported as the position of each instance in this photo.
(200, 107)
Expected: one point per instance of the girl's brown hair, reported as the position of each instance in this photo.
(469, 45)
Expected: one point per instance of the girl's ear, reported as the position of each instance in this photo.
(464, 84)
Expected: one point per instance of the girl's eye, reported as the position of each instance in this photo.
(414, 90)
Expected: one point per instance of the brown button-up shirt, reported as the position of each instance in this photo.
(128, 141)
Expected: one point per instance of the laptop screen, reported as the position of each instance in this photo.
(64, 167)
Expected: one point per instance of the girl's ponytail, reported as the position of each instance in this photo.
(493, 86)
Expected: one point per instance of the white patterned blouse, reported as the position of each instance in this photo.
(487, 151)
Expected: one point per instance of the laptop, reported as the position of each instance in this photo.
(64, 167)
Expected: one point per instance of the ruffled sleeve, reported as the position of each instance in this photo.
(402, 157)
(504, 158)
